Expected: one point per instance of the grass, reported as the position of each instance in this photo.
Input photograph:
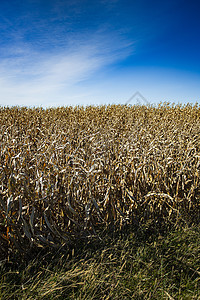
(128, 266)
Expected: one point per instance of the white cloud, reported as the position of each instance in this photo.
(28, 77)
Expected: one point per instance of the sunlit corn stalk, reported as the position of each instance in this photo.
(74, 172)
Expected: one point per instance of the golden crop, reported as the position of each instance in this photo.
(73, 172)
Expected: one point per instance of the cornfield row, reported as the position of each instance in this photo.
(74, 172)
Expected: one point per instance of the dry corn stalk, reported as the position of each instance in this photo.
(70, 172)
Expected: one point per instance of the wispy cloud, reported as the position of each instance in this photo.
(30, 77)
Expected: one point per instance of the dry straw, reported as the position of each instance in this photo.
(74, 172)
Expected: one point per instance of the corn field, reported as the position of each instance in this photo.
(72, 172)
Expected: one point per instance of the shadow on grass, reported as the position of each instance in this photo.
(131, 265)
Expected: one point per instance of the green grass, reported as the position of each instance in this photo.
(130, 266)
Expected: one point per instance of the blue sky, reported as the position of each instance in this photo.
(56, 52)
